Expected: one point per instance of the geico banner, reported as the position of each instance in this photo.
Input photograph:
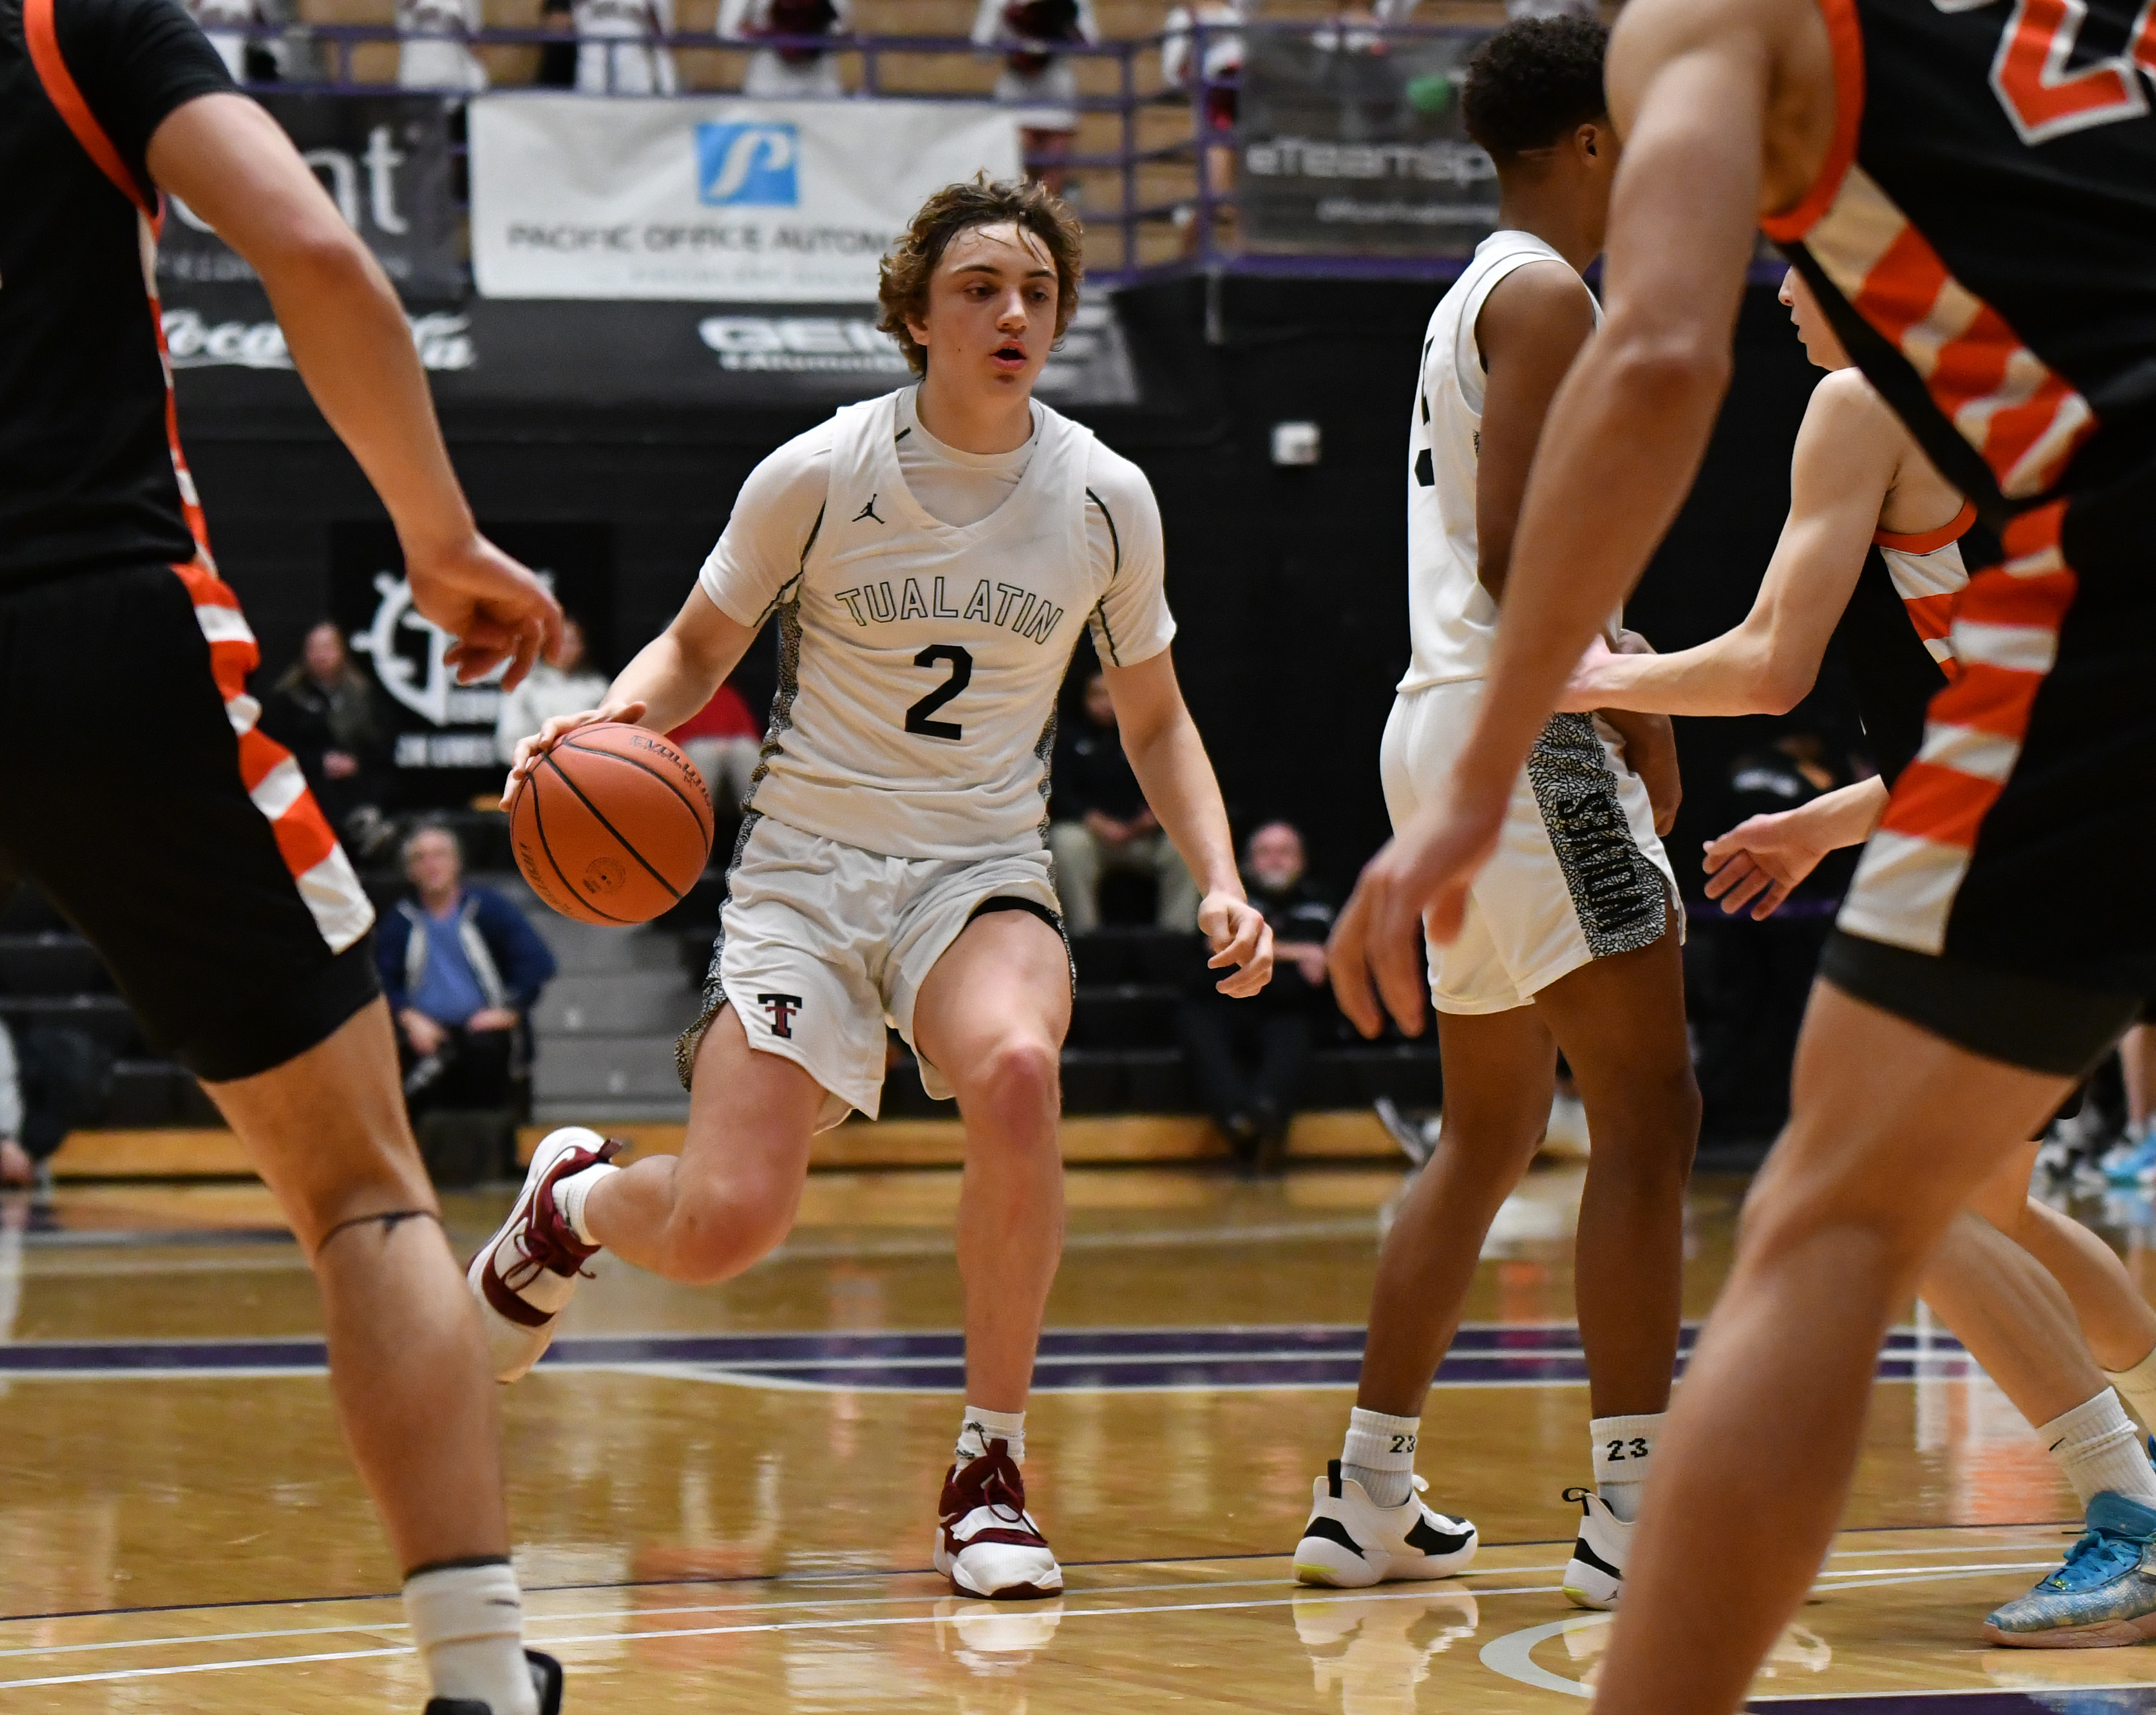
(385, 161)
(761, 201)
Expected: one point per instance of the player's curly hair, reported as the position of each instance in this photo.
(902, 285)
(1534, 82)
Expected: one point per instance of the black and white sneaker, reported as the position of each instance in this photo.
(546, 1680)
(1596, 1576)
(1350, 1541)
(1417, 1138)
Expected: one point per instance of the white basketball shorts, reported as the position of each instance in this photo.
(821, 945)
(1578, 874)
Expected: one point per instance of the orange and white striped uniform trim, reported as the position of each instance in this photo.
(1927, 573)
(318, 867)
(2023, 417)
(2004, 638)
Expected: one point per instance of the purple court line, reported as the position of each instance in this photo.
(2066, 1700)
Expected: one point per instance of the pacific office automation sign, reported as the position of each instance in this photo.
(385, 161)
(1352, 142)
(746, 201)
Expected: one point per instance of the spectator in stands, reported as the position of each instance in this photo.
(1041, 84)
(1247, 1057)
(17, 1169)
(52, 1080)
(563, 688)
(1214, 80)
(260, 59)
(462, 970)
(640, 66)
(323, 710)
(557, 60)
(787, 73)
(724, 741)
(1101, 822)
(435, 53)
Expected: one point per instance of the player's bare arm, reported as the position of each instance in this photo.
(666, 682)
(1169, 759)
(1848, 454)
(1727, 112)
(1763, 858)
(233, 164)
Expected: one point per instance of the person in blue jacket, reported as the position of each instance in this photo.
(462, 970)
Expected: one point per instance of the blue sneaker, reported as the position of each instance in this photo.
(2132, 1162)
(2104, 1595)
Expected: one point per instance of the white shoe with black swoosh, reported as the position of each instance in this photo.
(1350, 1541)
(1596, 1576)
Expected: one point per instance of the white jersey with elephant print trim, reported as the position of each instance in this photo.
(928, 601)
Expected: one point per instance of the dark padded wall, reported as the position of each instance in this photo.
(1288, 583)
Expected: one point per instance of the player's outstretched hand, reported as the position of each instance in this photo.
(1587, 690)
(1762, 859)
(496, 609)
(530, 750)
(1419, 877)
(1240, 936)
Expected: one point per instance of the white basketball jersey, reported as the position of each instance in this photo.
(1452, 619)
(920, 661)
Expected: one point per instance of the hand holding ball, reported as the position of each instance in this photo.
(612, 825)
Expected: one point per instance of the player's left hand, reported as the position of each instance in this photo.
(1240, 936)
(495, 608)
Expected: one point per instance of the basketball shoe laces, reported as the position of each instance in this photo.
(548, 1244)
(991, 1480)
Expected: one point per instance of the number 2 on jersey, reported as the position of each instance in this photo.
(917, 718)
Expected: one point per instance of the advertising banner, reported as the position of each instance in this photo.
(384, 160)
(441, 734)
(760, 202)
(230, 356)
(1352, 142)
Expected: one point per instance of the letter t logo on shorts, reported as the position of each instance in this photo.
(781, 1009)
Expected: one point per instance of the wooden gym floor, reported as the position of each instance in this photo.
(724, 1496)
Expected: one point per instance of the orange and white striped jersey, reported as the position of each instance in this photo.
(1983, 233)
(1927, 573)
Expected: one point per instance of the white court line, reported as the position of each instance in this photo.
(1510, 1655)
(861, 1625)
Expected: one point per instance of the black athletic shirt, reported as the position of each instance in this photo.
(1984, 235)
(87, 481)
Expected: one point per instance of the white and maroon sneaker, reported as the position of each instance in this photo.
(524, 1275)
(987, 1543)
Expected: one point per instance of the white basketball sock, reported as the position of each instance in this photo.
(1379, 1454)
(2098, 1451)
(1624, 1448)
(2136, 1387)
(981, 1426)
(468, 1624)
(569, 1195)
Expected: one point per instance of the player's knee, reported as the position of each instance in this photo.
(1651, 1120)
(716, 1234)
(1018, 1078)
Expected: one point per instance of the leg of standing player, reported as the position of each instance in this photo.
(992, 1015)
(1892, 1130)
(408, 1361)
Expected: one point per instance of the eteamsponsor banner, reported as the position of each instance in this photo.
(385, 161)
(229, 355)
(755, 201)
(1353, 142)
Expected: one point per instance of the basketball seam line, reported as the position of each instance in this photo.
(688, 804)
(599, 816)
(539, 827)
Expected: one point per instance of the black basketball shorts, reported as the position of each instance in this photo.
(137, 795)
(2005, 902)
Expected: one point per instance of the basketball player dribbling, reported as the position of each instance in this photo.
(1977, 216)
(1872, 554)
(209, 881)
(1572, 938)
(930, 557)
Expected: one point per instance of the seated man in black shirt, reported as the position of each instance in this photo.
(1101, 822)
(1247, 1059)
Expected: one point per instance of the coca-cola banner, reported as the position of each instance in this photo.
(385, 161)
(1352, 143)
(755, 202)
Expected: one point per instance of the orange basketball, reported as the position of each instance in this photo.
(613, 826)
